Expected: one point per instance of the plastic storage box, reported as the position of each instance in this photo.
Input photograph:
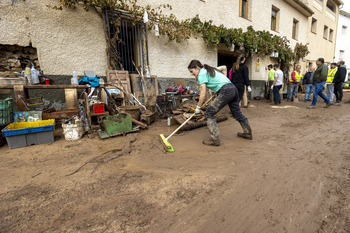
(6, 111)
(98, 108)
(29, 133)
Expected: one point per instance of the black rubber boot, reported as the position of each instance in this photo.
(247, 131)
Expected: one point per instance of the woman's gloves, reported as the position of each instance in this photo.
(198, 110)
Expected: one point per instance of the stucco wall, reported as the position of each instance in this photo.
(171, 60)
(64, 39)
(319, 46)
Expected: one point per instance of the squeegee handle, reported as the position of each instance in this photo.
(188, 119)
(178, 128)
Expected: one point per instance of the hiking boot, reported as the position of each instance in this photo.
(311, 107)
(328, 105)
(337, 104)
(211, 142)
(247, 131)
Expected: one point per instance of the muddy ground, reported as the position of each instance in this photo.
(293, 177)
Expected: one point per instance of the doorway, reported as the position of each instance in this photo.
(226, 58)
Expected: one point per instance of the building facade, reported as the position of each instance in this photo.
(342, 51)
(69, 39)
(322, 32)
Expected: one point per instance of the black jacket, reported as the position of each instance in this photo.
(339, 77)
(307, 78)
(241, 76)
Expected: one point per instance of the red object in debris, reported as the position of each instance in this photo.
(98, 108)
(47, 81)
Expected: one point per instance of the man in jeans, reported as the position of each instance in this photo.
(308, 83)
(294, 81)
(338, 80)
(277, 84)
(329, 82)
(320, 78)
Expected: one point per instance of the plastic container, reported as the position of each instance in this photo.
(98, 108)
(74, 79)
(73, 132)
(6, 111)
(34, 74)
(28, 75)
(29, 133)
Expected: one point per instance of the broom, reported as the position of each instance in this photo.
(165, 140)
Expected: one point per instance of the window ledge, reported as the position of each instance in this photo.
(246, 18)
(314, 33)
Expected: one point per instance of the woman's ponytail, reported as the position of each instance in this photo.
(195, 63)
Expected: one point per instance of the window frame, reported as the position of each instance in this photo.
(325, 32)
(274, 19)
(314, 22)
(246, 4)
(331, 35)
(295, 29)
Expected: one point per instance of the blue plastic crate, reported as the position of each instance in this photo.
(28, 127)
(29, 133)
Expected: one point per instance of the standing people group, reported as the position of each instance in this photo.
(314, 81)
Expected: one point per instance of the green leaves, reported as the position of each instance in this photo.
(253, 42)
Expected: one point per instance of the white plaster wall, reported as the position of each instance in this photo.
(343, 42)
(171, 60)
(64, 39)
(319, 46)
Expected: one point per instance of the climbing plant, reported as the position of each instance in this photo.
(251, 41)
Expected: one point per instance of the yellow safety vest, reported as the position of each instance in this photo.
(330, 76)
(298, 77)
(272, 75)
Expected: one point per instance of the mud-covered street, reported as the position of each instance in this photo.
(294, 176)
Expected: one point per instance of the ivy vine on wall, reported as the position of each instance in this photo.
(253, 42)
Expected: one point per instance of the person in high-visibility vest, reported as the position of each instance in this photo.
(329, 82)
(270, 79)
(294, 81)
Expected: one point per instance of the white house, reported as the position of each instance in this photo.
(342, 50)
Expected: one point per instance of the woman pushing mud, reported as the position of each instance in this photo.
(227, 94)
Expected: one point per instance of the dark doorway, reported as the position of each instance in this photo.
(227, 59)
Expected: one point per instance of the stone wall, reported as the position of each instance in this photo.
(64, 39)
(13, 58)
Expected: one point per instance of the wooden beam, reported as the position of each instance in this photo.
(71, 96)
(20, 96)
(45, 86)
(60, 114)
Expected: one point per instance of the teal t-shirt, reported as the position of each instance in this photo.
(213, 83)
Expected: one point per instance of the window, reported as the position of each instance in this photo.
(344, 30)
(295, 29)
(131, 45)
(314, 25)
(274, 18)
(341, 54)
(331, 5)
(330, 34)
(325, 32)
(243, 8)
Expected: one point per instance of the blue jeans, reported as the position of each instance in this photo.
(276, 94)
(308, 91)
(330, 92)
(318, 92)
(228, 95)
(292, 90)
